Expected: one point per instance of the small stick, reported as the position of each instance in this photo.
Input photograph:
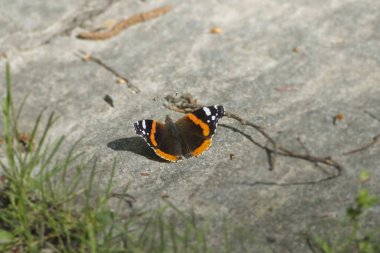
(88, 57)
(124, 24)
(372, 115)
(272, 153)
(129, 199)
(186, 103)
(368, 145)
(308, 153)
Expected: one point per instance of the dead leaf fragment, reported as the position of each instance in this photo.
(215, 30)
(328, 215)
(24, 140)
(86, 57)
(145, 173)
(338, 117)
(285, 89)
(120, 81)
(3, 179)
(164, 195)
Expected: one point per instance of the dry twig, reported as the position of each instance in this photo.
(368, 145)
(186, 103)
(129, 199)
(87, 57)
(124, 24)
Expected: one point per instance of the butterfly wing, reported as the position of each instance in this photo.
(197, 128)
(158, 138)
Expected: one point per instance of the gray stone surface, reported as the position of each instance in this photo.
(250, 68)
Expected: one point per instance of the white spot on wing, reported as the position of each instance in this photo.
(213, 117)
(207, 111)
(143, 124)
(216, 107)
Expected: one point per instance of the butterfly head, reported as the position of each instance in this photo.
(168, 120)
(171, 126)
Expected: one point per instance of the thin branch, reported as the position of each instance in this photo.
(372, 115)
(129, 199)
(324, 160)
(273, 153)
(366, 146)
(186, 103)
(308, 152)
(125, 23)
(87, 57)
(284, 152)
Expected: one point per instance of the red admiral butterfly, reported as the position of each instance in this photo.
(189, 136)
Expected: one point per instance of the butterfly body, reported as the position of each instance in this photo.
(189, 136)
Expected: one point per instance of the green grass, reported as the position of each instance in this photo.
(360, 238)
(49, 203)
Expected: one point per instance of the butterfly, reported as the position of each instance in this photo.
(188, 137)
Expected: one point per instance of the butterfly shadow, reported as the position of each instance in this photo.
(135, 145)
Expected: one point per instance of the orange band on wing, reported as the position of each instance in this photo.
(166, 156)
(202, 148)
(204, 126)
(153, 132)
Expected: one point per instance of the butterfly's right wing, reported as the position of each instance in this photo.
(197, 128)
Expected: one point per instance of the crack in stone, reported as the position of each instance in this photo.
(372, 115)
(63, 27)
(78, 20)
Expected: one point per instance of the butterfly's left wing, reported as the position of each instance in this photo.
(156, 135)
